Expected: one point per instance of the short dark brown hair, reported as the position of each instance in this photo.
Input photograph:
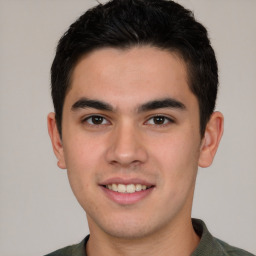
(128, 23)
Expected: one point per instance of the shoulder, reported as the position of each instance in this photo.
(72, 250)
(232, 250)
(62, 252)
(209, 245)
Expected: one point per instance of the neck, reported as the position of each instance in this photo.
(179, 239)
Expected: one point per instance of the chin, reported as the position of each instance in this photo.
(129, 228)
(128, 233)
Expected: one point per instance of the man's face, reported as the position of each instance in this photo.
(130, 119)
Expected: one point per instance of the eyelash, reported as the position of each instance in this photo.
(86, 120)
(166, 121)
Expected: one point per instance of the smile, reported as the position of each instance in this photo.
(127, 191)
(130, 188)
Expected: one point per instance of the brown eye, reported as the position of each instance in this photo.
(159, 120)
(96, 120)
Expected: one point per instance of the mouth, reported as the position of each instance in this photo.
(127, 192)
(130, 188)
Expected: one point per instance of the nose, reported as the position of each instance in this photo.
(126, 146)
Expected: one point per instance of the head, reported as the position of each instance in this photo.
(123, 24)
(134, 84)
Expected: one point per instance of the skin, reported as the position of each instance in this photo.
(128, 142)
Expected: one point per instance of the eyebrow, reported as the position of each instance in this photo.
(84, 103)
(162, 103)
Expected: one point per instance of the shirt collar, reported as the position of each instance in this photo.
(208, 245)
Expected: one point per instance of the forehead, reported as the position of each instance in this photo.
(130, 75)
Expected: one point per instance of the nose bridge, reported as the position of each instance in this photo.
(126, 145)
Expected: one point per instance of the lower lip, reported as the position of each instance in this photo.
(127, 198)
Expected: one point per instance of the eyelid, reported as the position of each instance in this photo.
(106, 120)
(85, 119)
(168, 118)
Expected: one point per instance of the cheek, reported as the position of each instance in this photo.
(82, 160)
(177, 156)
(82, 152)
(177, 161)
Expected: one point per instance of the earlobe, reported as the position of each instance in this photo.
(211, 140)
(56, 140)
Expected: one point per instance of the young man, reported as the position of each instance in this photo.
(134, 84)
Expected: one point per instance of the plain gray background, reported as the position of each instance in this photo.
(38, 210)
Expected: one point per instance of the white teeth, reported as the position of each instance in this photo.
(121, 188)
(114, 187)
(131, 188)
(138, 187)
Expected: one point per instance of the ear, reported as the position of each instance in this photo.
(56, 140)
(211, 140)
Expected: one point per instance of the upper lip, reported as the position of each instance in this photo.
(126, 181)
